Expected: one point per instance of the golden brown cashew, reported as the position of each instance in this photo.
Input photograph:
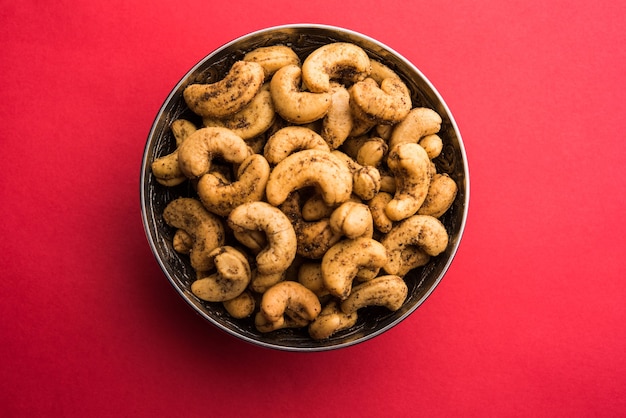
(241, 306)
(405, 259)
(342, 262)
(441, 195)
(313, 238)
(255, 241)
(390, 103)
(365, 179)
(272, 58)
(166, 169)
(229, 95)
(380, 71)
(182, 242)
(221, 198)
(291, 299)
(419, 122)
(330, 321)
(337, 124)
(205, 229)
(341, 61)
(432, 144)
(281, 237)
(412, 170)
(251, 121)
(377, 207)
(389, 291)
(290, 139)
(366, 150)
(423, 231)
(291, 103)
(310, 276)
(262, 324)
(196, 153)
(232, 277)
(310, 168)
(353, 220)
(261, 282)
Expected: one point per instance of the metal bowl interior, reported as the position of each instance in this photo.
(154, 197)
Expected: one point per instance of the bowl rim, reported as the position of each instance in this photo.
(347, 32)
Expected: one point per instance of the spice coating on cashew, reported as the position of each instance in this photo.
(272, 58)
(418, 123)
(389, 291)
(330, 321)
(290, 139)
(232, 277)
(337, 124)
(205, 229)
(365, 179)
(342, 262)
(310, 168)
(229, 95)
(341, 61)
(390, 103)
(293, 104)
(352, 220)
(291, 299)
(166, 169)
(412, 170)
(241, 306)
(196, 153)
(440, 197)
(281, 237)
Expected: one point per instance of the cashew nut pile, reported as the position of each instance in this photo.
(316, 188)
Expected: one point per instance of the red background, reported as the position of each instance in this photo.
(529, 321)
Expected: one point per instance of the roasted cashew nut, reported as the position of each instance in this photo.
(272, 58)
(221, 198)
(232, 277)
(182, 242)
(380, 71)
(313, 238)
(290, 139)
(365, 179)
(423, 231)
(330, 321)
(263, 325)
(412, 170)
(166, 169)
(389, 291)
(418, 123)
(441, 195)
(229, 95)
(352, 220)
(196, 153)
(341, 61)
(310, 168)
(291, 299)
(281, 237)
(401, 261)
(205, 229)
(366, 150)
(310, 276)
(342, 262)
(251, 121)
(293, 104)
(337, 124)
(377, 207)
(261, 282)
(388, 104)
(241, 306)
(432, 144)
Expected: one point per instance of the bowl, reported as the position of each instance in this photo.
(303, 38)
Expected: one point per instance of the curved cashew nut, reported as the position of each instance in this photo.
(366, 150)
(353, 220)
(310, 276)
(390, 103)
(221, 198)
(330, 321)
(412, 169)
(365, 179)
(377, 207)
(272, 58)
(166, 169)
(251, 121)
(241, 306)
(419, 122)
(291, 103)
(205, 229)
(336, 61)
(281, 237)
(337, 124)
(291, 299)
(261, 282)
(196, 153)
(342, 262)
(389, 291)
(262, 324)
(232, 277)
(290, 139)
(423, 231)
(441, 195)
(308, 168)
(380, 71)
(255, 241)
(405, 259)
(313, 238)
(432, 144)
(229, 95)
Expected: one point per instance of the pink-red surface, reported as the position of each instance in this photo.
(529, 321)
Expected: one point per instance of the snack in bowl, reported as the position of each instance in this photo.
(321, 242)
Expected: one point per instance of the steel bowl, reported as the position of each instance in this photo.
(303, 38)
